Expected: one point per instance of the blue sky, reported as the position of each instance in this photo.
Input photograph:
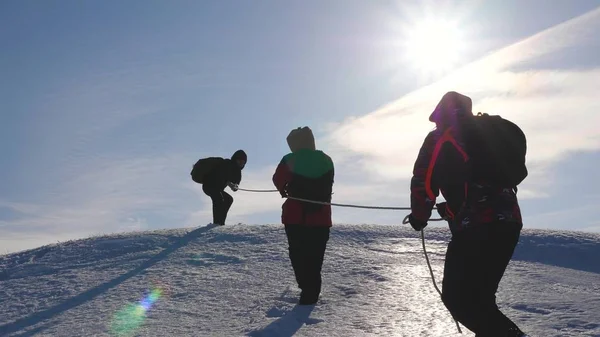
(106, 105)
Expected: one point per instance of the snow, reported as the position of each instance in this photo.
(237, 281)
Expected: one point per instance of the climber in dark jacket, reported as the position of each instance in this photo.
(485, 221)
(224, 172)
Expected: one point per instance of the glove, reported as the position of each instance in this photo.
(283, 192)
(441, 209)
(233, 186)
(415, 223)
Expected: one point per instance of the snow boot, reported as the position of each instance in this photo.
(307, 298)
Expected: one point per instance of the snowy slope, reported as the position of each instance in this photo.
(237, 281)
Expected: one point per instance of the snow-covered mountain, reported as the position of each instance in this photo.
(237, 281)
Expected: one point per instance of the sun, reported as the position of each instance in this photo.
(434, 46)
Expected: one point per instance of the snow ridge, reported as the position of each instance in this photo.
(237, 281)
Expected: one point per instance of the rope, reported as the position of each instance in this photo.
(350, 205)
(432, 277)
(257, 191)
(405, 221)
(337, 204)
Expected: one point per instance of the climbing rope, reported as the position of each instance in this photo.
(349, 205)
(257, 191)
(337, 204)
(329, 203)
(405, 221)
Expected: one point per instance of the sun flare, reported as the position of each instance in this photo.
(434, 46)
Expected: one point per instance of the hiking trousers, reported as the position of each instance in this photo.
(307, 246)
(476, 260)
(221, 202)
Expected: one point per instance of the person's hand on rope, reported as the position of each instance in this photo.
(415, 223)
(234, 187)
(283, 192)
(441, 209)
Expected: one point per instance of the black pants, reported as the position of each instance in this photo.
(221, 202)
(307, 250)
(475, 263)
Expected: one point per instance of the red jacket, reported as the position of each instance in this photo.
(306, 174)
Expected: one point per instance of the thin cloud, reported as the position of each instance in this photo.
(114, 197)
(556, 107)
(594, 228)
(21, 208)
(555, 219)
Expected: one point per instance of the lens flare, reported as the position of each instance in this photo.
(128, 320)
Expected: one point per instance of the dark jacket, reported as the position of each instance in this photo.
(441, 166)
(226, 171)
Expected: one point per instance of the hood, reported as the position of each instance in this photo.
(451, 105)
(301, 138)
(239, 154)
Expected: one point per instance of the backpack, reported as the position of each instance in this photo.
(496, 148)
(203, 167)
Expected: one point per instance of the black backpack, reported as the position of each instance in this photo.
(496, 148)
(203, 167)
